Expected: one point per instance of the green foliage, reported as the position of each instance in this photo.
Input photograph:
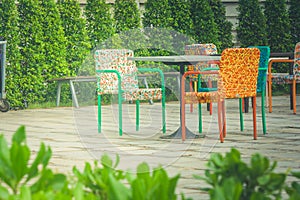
(231, 178)
(157, 14)
(161, 19)
(126, 15)
(32, 50)
(205, 29)
(100, 24)
(78, 43)
(9, 29)
(181, 17)
(25, 178)
(278, 26)
(251, 30)
(104, 182)
(158, 186)
(294, 16)
(54, 47)
(43, 49)
(279, 32)
(54, 41)
(225, 36)
(108, 183)
(293, 190)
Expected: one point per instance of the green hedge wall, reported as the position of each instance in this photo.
(48, 39)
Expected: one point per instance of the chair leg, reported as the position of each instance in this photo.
(243, 105)
(241, 114)
(254, 119)
(137, 115)
(294, 95)
(200, 117)
(270, 94)
(210, 104)
(99, 113)
(163, 105)
(183, 133)
(120, 114)
(224, 119)
(220, 121)
(263, 113)
(246, 105)
(178, 83)
(191, 89)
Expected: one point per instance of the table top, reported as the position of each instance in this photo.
(181, 59)
(282, 54)
(194, 59)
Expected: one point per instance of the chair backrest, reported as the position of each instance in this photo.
(238, 72)
(200, 49)
(296, 67)
(116, 59)
(263, 67)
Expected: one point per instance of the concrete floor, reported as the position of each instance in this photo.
(72, 135)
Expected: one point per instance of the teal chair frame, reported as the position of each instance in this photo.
(261, 85)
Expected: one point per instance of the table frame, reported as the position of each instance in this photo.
(182, 61)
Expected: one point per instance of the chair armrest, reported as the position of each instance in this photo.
(207, 89)
(263, 69)
(275, 60)
(217, 62)
(196, 72)
(210, 69)
(107, 71)
(154, 70)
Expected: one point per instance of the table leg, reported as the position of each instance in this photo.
(178, 132)
(74, 97)
(291, 97)
(58, 93)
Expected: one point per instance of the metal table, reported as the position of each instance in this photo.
(182, 61)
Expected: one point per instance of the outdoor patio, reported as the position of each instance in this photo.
(72, 135)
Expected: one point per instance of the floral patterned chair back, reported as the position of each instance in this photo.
(116, 59)
(201, 49)
(296, 67)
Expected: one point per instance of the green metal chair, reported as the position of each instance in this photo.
(116, 74)
(261, 84)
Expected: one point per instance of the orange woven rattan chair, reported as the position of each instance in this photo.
(237, 79)
(200, 49)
